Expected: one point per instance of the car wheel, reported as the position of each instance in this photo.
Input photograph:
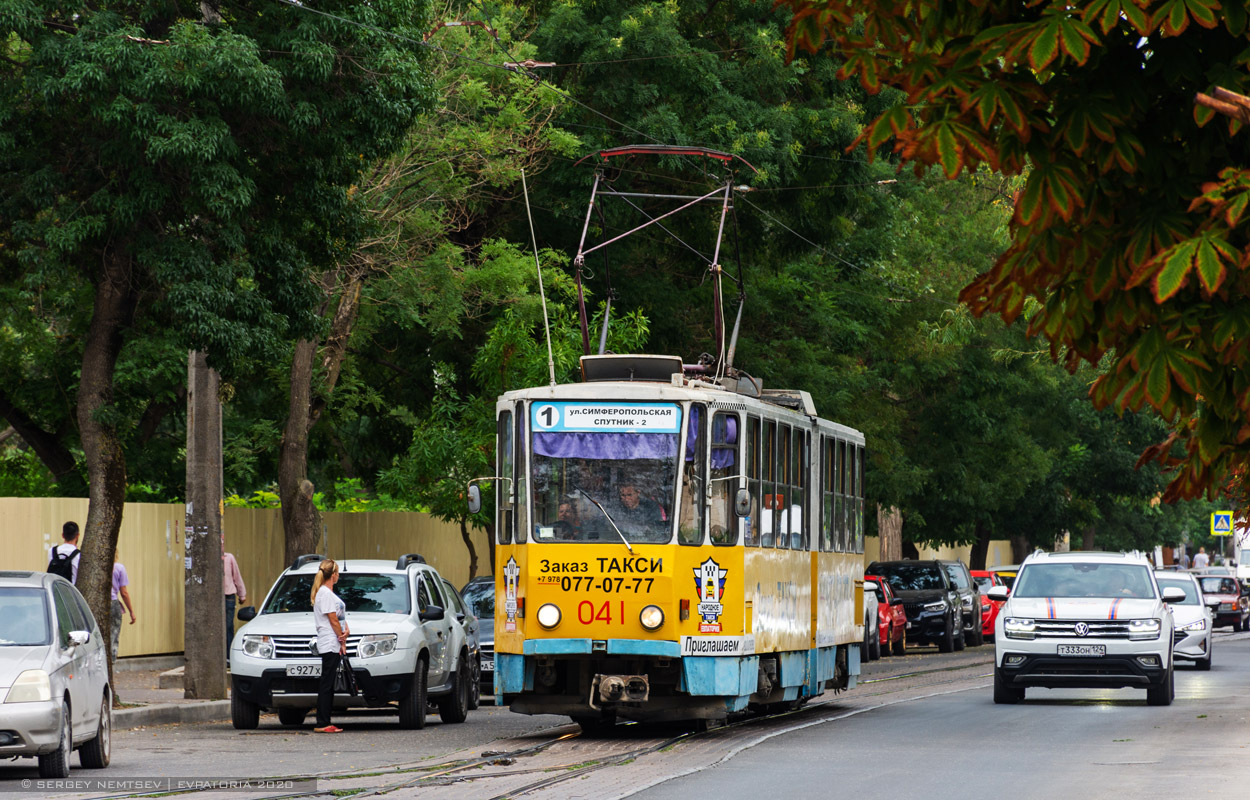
(292, 716)
(1237, 624)
(56, 763)
(412, 707)
(962, 641)
(1204, 664)
(244, 714)
(95, 753)
(1004, 693)
(1162, 694)
(475, 692)
(900, 647)
(454, 707)
(947, 643)
(978, 638)
(874, 646)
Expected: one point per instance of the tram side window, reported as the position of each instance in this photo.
(782, 498)
(693, 485)
(725, 471)
(826, 494)
(504, 484)
(860, 461)
(522, 484)
(753, 481)
(768, 485)
(839, 501)
(847, 518)
(798, 490)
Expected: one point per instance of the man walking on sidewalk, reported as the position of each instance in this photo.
(234, 589)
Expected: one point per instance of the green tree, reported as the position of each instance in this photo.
(1128, 227)
(190, 169)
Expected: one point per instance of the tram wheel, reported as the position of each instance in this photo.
(597, 726)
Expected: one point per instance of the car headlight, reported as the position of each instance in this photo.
(31, 686)
(257, 646)
(376, 644)
(966, 602)
(1019, 628)
(938, 606)
(548, 615)
(1199, 625)
(1144, 629)
(652, 617)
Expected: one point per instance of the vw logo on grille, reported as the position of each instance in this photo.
(1082, 629)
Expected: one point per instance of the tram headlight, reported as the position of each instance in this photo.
(652, 617)
(548, 615)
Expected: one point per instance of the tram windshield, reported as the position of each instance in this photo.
(603, 467)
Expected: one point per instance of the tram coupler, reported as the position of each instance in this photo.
(619, 689)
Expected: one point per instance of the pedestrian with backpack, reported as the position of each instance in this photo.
(65, 556)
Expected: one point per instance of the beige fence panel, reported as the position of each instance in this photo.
(152, 547)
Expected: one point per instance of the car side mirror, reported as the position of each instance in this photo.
(432, 613)
(79, 638)
(460, 617)
(1173, 594)
(475, 499)
(997, 593)
(898, 601)
(247, 613)
(870, 586)
(742, 503)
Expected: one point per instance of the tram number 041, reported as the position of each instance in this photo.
(588, 612)
(576, 583)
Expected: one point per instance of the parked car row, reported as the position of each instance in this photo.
(941, 602)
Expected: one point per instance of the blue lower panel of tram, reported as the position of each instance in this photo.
(802, 673)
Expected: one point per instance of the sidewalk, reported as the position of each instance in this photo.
(138, 687)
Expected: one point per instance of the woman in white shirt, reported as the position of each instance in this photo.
(329, 618)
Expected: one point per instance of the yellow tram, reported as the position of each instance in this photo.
(673, 546)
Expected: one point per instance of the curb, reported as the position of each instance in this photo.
(171, 713)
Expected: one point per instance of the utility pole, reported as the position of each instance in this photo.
(204, 624)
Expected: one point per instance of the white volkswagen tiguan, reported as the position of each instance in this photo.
(1084, 620)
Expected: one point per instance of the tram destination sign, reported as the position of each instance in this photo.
(591, 417)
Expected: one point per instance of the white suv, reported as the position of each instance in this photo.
(1088, 620)
(406, 645)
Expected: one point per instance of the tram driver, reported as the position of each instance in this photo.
(638, 515)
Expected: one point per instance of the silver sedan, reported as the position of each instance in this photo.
(1191, 620)
(53, 675)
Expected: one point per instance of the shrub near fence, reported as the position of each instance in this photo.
(151, 545)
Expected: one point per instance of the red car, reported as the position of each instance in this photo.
(989, 607)
(891, 617)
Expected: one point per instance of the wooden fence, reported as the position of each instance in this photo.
(151, 546)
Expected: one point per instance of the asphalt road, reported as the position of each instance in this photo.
(924, 725)
(1058, 743)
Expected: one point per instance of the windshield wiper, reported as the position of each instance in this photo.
(611, 521)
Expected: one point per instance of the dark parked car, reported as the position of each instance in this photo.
(479, 594)
(930, 599)
(969, 601)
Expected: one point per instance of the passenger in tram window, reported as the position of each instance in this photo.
(637, 514)
(588, 482)
(568, 523)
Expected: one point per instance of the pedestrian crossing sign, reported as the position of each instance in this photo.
(1221, 523)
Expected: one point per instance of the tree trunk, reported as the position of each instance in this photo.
(468, 542)
(293, 460)
(1020, 548)
(204, 620)
(1087, 542)
(980, 547)
(113, 310)
(299, 514)
(890, 533)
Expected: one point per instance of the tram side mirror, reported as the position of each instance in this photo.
(475, 499)
(742, 503)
